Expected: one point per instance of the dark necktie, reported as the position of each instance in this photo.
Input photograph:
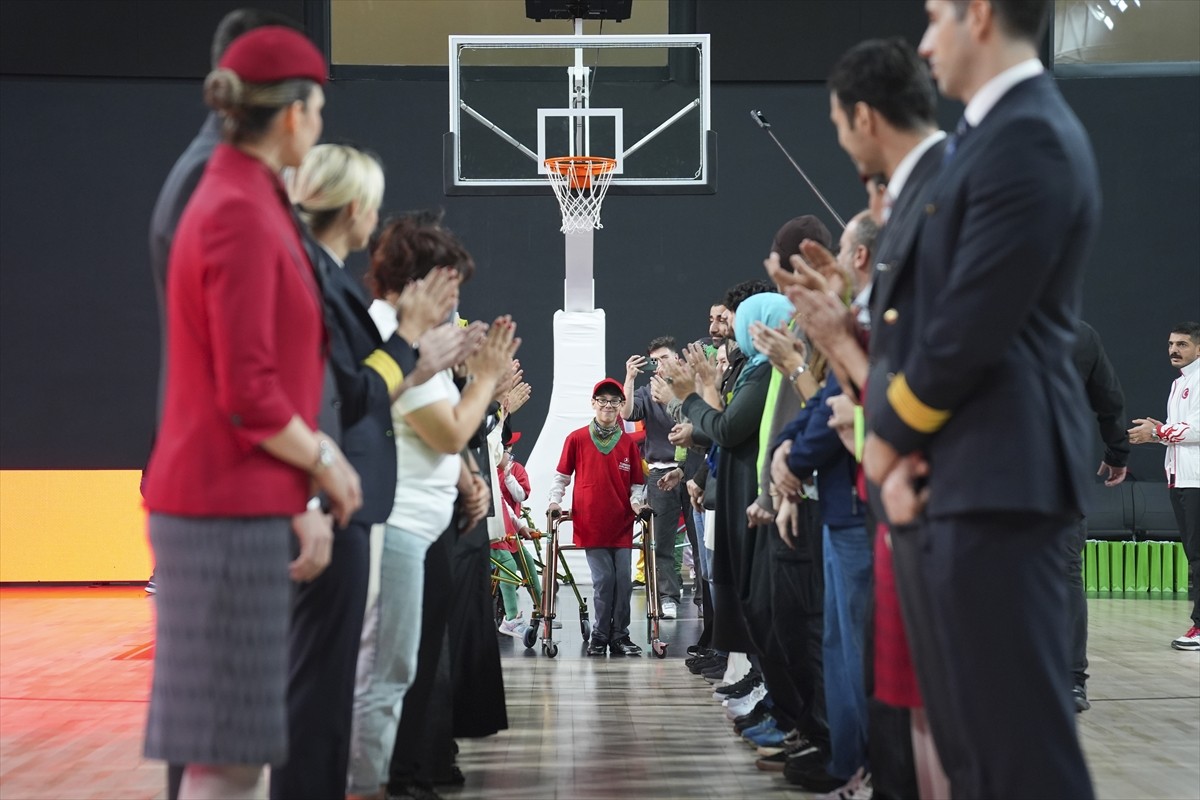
(961, 131)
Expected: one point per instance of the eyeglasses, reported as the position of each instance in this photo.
(607, 403)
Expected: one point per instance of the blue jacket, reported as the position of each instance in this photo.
(816, 447)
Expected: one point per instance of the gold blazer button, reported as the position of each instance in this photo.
(890, 316)
(930, 209)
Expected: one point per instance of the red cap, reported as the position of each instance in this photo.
(272, 54)
(513, 438)
(611, 385)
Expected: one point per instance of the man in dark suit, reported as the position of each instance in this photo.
(1107, 401)
(882, 104)
(185, 174)
(985, 407)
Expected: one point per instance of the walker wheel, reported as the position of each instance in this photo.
(551, 650)
(659, 648)
(530, 637)
(585, 627)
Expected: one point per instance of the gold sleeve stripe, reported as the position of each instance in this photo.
(916, 415)
(386, 366)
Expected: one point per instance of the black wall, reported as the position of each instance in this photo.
(81, 161)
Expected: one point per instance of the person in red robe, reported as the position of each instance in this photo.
(608, 495)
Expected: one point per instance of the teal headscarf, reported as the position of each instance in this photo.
(769, 308)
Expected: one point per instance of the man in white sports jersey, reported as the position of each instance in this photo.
(1181, 434)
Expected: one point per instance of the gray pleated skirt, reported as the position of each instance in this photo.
(221, 652)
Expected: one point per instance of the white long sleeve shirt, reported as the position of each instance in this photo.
(1181, 431)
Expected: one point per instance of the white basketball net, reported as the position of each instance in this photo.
(580, 203)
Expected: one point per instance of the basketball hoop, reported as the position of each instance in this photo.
(580, 183)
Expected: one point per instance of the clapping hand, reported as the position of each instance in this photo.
(681, 435)
(493, 361)
(784, 350)
(427, 302)
(679, 376)
(703, 368)
(517, 396)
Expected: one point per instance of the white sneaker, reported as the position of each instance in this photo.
(740, 706)
(1189, 641)
(514, 627)
(857, 788)
(669, 609)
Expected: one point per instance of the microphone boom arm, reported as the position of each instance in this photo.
(761, 120)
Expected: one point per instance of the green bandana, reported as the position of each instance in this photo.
(605, 439)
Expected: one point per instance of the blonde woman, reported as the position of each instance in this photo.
(338, 190)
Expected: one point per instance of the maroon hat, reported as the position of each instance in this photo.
(272, 54)
(611, 385)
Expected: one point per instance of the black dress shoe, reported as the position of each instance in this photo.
(597, 647)
(624, 647)
(414, 791)
(1081, 699)
(454, 777)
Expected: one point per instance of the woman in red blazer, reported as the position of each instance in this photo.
(237, 457)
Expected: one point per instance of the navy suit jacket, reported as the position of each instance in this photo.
(893, 286)
(363, 400)
(987, 389)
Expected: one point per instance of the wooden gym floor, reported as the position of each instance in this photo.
(75, 671)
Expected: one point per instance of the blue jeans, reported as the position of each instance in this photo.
(387, 657)
(612, 585)
(848, 573)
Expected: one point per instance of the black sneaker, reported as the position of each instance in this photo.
(745, 723)
(700, 666)
(774, 763)
(739, 689)
(806, 769)
(1081, 699)
(694, 650)
(624, 647)
(597, 647)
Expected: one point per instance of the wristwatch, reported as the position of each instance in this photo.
(324, 456)
(797, 372)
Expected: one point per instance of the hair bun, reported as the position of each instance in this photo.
(223, 90)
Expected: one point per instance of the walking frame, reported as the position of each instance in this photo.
(544, 618)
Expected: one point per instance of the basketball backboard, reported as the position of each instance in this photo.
(640, 99)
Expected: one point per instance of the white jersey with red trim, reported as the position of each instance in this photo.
(1181, 432)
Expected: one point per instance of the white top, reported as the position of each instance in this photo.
(384, 316)
(1181, 430)
(426, 480)
(990, 93)
(907, 164)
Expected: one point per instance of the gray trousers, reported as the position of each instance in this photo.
(612, 585)
(667, 507)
